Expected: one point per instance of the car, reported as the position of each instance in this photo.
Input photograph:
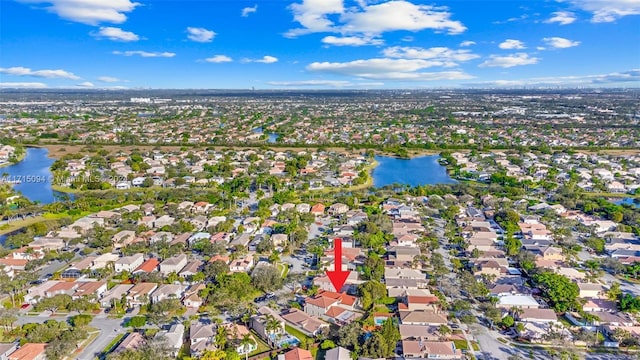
(269, 296)
(25, 306)
(259, 299)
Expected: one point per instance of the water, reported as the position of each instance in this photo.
(34, 175)
(627, 201)
(271, 137)
(424, 170)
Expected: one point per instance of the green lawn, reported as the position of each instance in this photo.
(297, 333)
(113, 343)
(461, 344)
(262, 346)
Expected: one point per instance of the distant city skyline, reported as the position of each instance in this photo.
(313, 44)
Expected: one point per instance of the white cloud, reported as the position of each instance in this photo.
(508, 61)
(560, 43)
(90, 12)
(23, 71)
(109, 79)
(448, 57)
(22, 85)
(630, 76)
(200, 34)
(249, 10)
(388, 69)
(85, 84)
(511, 44)
(267, 59)
(512, 19)
(400, 15)
(219, 59)
(608, 10)
(467, 43)
(115, 34)
(562, 18)
(325, 83)
(312, 15)
(371, 19)
(145, 54)
(351, 41)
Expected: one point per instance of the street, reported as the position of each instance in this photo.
(109, 329)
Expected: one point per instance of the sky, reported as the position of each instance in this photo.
(344, 44)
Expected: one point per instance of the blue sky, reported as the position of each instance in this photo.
(318, 43)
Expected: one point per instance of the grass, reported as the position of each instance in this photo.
(113, 343)
(283, 268)
(297, 333)
(93, 335)
(262, 346)
(461, 344)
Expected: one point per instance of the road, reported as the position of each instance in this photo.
(109, 329)
(50, 268)
(625, 286)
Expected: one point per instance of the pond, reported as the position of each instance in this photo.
(627, 201)
(424, 170)
(33, 174)
(271, 137)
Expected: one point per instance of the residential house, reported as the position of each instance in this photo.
(173, 264)
(422, 317)
(90, 289)
(337, 353)
(537, 315)
(172, 337)
(140, 293)
(242, 265)
(129, 263)
(307, 324)
(167, 291)
(192, 268)
(296, 354)
(201, 337)
(430, 350)
(268, 324)
(150, 265)
(29, 351)
(115, 294)
(6, 349)
(192, 297)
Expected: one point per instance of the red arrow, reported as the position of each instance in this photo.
(337, 276)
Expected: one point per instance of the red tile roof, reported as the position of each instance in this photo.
(148, 266)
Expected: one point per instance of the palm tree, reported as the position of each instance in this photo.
(245, 342)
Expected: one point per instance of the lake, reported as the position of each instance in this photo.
(424, 170)
(271, 137)
(34, 175)
(626, 201)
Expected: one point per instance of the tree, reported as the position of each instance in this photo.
(215, 269)
(349, 336)
(137, 322)
(391, 336)
(81, 320)
(444, 330)
(375, 347)
(614, 291)
(373, 267)
(266, 278)
(558, 289)
(371, 292)
(327, 344)
(508, 321)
